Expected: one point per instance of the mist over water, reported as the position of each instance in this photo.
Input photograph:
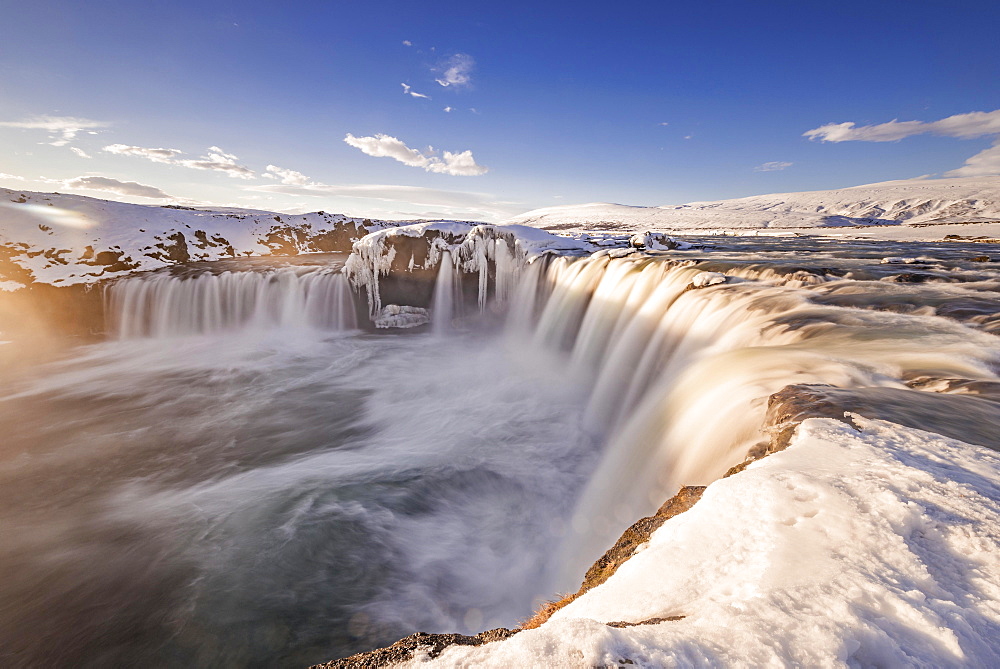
(242, 478)
(277, 498)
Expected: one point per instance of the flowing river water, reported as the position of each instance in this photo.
(241, 477)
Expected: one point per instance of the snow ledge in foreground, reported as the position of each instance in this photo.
(870, 548)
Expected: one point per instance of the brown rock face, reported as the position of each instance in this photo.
(405, 649)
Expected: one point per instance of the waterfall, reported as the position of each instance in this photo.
(678, 362)
(447, 295)
(160, 305)
(679, 375)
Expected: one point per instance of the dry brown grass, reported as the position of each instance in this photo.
(546, 610)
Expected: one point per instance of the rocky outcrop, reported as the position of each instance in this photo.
(429, 645)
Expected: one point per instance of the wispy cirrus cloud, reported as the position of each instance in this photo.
(441, 203)
(62, 129)
(437, 203)
(961, 126)
(965, 126)
(385, 146)
(456, 71)
(408, 90)
(773, 166)
(156, 155)
(80, 152)
(109, 185)
(215, 159)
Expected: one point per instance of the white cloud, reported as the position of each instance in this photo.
(13, 177)
(984, 163)
(217, 160)
(156, 155)
(449, 109)
(773, 166)
(109, 185)
(385, 146)
(664, 123)
(457, 70)
(476, 206)
(79, 152)
(407, 42)
(965, 126)
(62, 129)
(408, 90)
(287, 176)
(962, 126)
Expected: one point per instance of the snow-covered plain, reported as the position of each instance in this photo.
(869, 548)
(913, 202)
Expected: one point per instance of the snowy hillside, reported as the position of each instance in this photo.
(68, 239)
(912, 202)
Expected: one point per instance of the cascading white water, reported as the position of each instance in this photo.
(447, 295)
(161, 305)
(679, 377)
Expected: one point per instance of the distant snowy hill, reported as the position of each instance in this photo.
(61, 240)
(912, 202)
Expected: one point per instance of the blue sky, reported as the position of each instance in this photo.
(550, 103)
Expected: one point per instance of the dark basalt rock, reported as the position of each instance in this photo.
(651, 621)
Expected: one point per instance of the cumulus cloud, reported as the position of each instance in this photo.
(385, 146)
(962, 126)
(79, 152)
(109, 185)
(456, 70)
(286, 176)
(62, 129)
(218, 160)
(408, 90)
(773, 166)
(13, 177)
(449, 109)
(156, 155)
(407, 42)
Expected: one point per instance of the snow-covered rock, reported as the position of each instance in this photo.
(61, 240)
(396, 316)
(494, 254)
(704, 279)
(657, 241)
